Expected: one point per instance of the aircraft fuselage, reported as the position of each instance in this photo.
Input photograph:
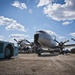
(44, 39)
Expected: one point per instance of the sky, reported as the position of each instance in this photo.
(21, 19)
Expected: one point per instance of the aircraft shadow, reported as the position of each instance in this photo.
(48, 55)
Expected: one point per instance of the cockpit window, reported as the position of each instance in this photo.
(42, 32)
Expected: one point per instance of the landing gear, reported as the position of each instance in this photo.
(39, 54)
(39, 51)
(61, 52)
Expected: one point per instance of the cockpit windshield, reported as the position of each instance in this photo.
(46, 33)
(42, 32)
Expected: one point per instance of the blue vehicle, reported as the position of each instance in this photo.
(7, 50)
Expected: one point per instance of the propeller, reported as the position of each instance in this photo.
(19, 42)
(66, 41)
(27, 41)
(61, 44)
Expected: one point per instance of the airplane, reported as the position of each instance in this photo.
(43, 39)
(22, 45)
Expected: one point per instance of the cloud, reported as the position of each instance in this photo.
(17, 4)
(60, 12)
(1, 37)
(44, 2)
(72, 34)
(15, 27)
(11, 24)
(19, 36)
(66, 23)
(54, 34)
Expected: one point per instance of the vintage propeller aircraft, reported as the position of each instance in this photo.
(22, 45)
(42, 39)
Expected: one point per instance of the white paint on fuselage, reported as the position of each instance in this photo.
(46, 40)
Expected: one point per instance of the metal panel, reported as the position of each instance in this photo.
(1, 47)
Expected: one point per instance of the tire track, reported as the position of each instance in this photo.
(66, 60)
(60, 68)
(68, 67)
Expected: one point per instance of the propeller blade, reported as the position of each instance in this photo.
(56, 41)
(18, 42)
(73, 39)
(15, 40)
(27, 41)
(66, 41)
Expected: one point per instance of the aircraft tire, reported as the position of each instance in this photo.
(63, 52)
(39, 54)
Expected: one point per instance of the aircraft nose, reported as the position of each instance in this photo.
(36, 37)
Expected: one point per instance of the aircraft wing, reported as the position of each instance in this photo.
(68, 45)
(27, 44)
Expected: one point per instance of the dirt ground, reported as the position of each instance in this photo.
(46, 64)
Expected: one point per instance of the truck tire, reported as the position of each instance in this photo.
(7, 53)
